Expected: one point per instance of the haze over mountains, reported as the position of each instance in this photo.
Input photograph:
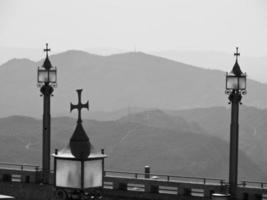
(182, 140)
(213, 121)
(118, 81)
(255, 67)
(131, 145)
(34, 54)
(252, 128)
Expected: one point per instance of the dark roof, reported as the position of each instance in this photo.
(47, 63)
(80, 145)
(236, 69)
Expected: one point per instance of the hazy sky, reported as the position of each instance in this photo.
(148, 25)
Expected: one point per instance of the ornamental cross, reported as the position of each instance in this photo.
(79, 106)
(236, 54)
(46, 49)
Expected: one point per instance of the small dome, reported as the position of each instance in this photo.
(47, 63)
(236, 69)
(80, 145)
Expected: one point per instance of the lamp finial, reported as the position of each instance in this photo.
(80, 105)
(236, 54)
(46, 49)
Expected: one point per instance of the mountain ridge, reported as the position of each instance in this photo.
(130, 147)
(118, 81)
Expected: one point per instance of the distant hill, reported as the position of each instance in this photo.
(252, 128)
(213, 121)
(254, 66)
(159, 119)
(130, 145)
(115, 82)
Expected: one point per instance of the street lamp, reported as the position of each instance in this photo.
(236, 79)
(47, 74)
(235, 88)
(46, 80)
(78, 168)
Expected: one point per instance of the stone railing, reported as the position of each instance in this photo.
(158, 186)
(12, 172)
(128, 185)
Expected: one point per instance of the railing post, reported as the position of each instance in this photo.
(244, 183)
(120, 186)
(147, 171)
(180, 190)
(208, 192)
(187, 192)
(147, 175)
(257, 196)
(149, 188)
(245, 196)
(154, 189)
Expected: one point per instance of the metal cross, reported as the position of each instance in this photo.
(236, 54)
(46, 49)
(79, 106)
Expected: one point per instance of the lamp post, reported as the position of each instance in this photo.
(235, 88)
(78, 167)
(47, 80)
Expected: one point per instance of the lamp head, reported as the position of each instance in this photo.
(236, 79)
(47, 74)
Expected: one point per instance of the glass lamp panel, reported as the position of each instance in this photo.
(52, 75)
(242, 83)
(68, 173)
(231, 82)
(93, 173)
(42, 76)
